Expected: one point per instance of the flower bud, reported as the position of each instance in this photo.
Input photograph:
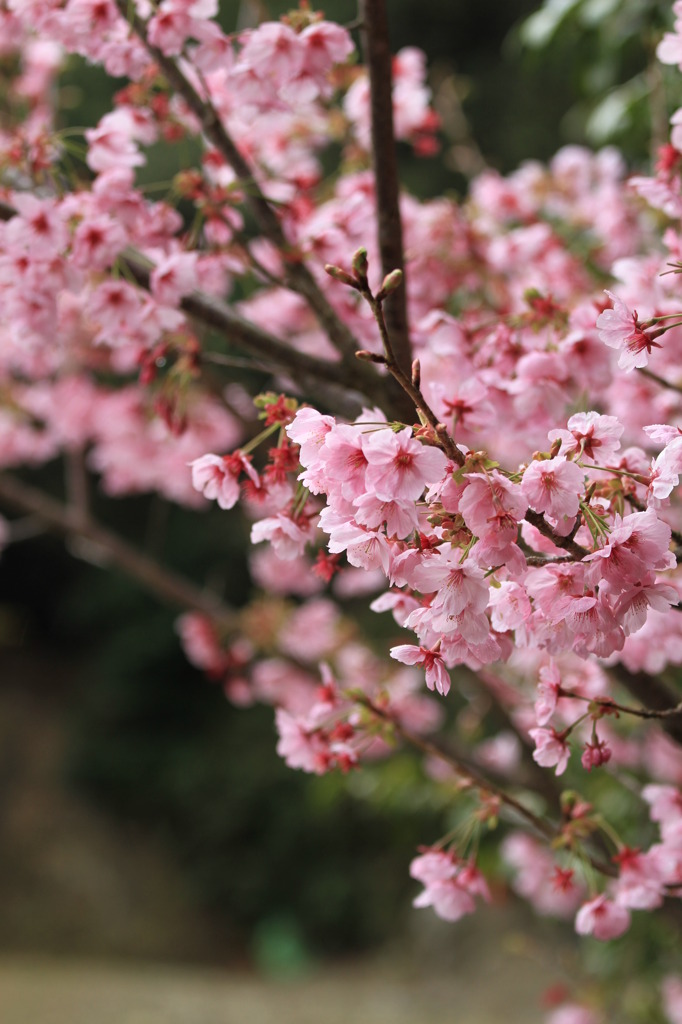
(360, 265)
(369, 357)
(340, 275)
(390, 283)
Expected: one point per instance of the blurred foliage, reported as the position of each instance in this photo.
(607, 49)
(261, 845)
(288, 866)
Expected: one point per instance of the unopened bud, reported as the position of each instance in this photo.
(369, 357)
(340, 275)
(554, 450)
(416, 374)
(360, 265)
(390, 283)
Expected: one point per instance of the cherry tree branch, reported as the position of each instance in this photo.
(656, 697)
(537, 520)
(377, 54)
(545, 828)
(461, 767)
(611, 705)
(408, 384)
(646, 372)
(298, 277)
(169, 586)
(251, 339)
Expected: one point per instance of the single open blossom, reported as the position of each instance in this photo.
(553, 486)
(548, 693)
(399, 467)
(437, 677)
(641, 882)
(590, 435)
(217, 477)
(287, 535)
(602, 918)
(550, 749)
(666, 469)
(619, 328)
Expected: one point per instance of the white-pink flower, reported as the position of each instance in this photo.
(671, 989)
(550, 749)
(619, 328)
(451, 885)
(400, 467)
(217, 477)
(437, 677)
(553, 486)
(602, 918)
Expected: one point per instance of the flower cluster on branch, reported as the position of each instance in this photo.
(494, 459)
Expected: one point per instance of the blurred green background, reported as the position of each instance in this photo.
(99, 709)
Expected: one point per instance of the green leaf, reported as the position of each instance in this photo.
(539, 30)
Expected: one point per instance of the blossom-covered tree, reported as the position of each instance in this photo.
(462, 423)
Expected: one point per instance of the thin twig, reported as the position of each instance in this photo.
(650, 375)
(653, 694)
(462, 767)
(405, 382)
(547, 830)
(77, 488)
(611, 705)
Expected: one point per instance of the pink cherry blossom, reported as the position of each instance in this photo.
(437, 677)
(399, 466)
(288, 536)
(590, 435)
(450, 885)
(217, 477)
(671, 988)
(602, 918)
(619, 328)
(553, 486)
(595, 754)
(573, 1013)
(548, 693)
(551, 749)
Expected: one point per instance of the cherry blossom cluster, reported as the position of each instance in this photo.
(520, 520)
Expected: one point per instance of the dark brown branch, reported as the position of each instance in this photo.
(542, 781)
(377, 53)
(611, 705)
(169, 586)
(77, 484)
(537, 520)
